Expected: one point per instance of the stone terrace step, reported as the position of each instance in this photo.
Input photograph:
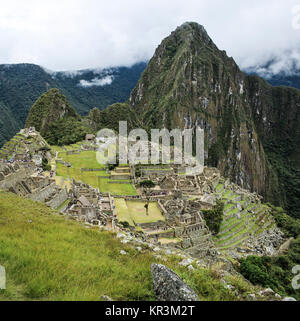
(227, 247)
(225, 236)
(241, 234)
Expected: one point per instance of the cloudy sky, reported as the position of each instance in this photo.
(79, 34)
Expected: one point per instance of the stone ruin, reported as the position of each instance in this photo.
(182, 199)
(89, 205)
(25, 180)
(81, 202)
(186, 220)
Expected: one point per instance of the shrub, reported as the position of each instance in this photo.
(273, 272)
(214, 217)
(45, 165)
(147, 184)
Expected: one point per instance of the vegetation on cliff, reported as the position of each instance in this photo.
(214, 217)
(56, 120)
(110, 117)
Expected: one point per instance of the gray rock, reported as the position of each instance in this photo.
(289, 299)
(169, 287)
(267, 291)
(106, 298)
(123, 252)
(191, 268)
(120, 235)
(186, 262)
(251, 297)
(139, 248)
(229, 287)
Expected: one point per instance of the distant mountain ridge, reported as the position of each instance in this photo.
(22, 84)
(277, 73)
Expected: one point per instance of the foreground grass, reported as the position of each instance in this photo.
(48, 257)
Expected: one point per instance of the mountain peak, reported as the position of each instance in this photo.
(190, 31)
(50, 107)
(192, 26)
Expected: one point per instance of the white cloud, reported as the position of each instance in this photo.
(96, 82)
(81, 34)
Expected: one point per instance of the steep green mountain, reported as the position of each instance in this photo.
(252, 128)
(22, 84)
(56, 120)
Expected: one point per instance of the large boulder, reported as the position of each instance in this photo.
(169, 287)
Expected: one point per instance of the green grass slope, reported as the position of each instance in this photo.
(48, 257)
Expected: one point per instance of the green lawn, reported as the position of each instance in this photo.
(117, 189)
(135, 212)
(123, 212)
(138, 212)
(48, 257)
(87, 159)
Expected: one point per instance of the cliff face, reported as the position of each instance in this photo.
(189, 82)
(275, 112)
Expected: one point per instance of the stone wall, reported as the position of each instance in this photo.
(43, 194)
(58, 199)
(166, 234)
(93, 169)
(118, 182)
(153, 226)
(14, 177)
(120, 177)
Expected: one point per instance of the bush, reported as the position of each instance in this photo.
(273, 272)
(111, 167)
(147, 184)
(65, 132)
(214, 217)
(289, 225)
(45, 165)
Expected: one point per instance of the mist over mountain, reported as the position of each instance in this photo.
(282, 70)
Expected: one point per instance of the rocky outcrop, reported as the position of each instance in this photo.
(169, 287)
